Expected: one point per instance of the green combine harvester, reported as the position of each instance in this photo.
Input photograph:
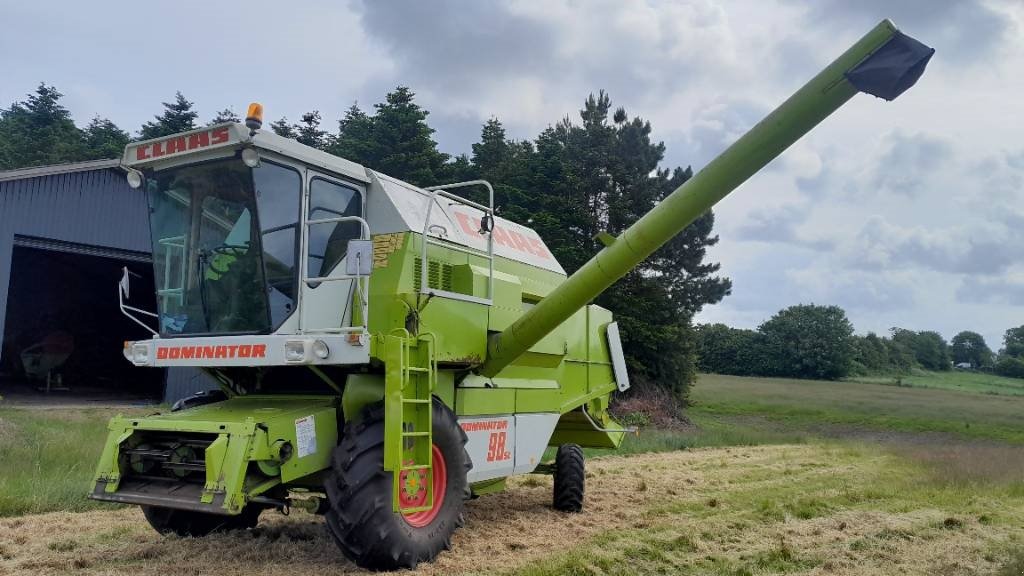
(385, 352)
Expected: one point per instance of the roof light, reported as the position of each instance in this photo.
(254, 117)
(134, 178)
(251, 157)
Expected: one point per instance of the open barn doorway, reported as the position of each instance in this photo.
(64, 333)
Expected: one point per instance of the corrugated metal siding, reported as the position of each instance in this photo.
(182, 382)
(94, 207)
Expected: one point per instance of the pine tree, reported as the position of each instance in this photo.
(283, 128)
(103, 139)
(178, 116)
(308, 131)
(602, 175)
(225, 115)
(396, 140)
(39, 131)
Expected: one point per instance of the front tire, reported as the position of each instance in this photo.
(360, 515)
(198, 524)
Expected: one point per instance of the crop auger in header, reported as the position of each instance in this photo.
(385, 351)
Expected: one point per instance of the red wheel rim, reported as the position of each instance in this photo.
(439, 480)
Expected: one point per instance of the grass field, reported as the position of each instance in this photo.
(776, 477)
(48, 456)
(959, 380)
(827, 407)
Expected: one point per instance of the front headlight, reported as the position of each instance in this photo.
(295, 351)
(140, 354)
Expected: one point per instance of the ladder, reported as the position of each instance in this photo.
(410, 375)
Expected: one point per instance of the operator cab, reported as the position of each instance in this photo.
(256, 238)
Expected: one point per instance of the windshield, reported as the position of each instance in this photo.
(224, 246)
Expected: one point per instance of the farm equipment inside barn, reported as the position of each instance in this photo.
(386, 351)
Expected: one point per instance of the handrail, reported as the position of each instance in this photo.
(362, 292)
(442, 190)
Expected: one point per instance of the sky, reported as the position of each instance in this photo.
(909, 213)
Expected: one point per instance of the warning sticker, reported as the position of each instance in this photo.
(305, 436)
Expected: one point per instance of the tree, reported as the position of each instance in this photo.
(308, 131)
(969, 347)
(871, 354)
(225, 115)
(601, 175)
(809, 341)
(1010, 366)
(725, 350)
(395, 140)
(178, 116)
(1013, 342)
(39, 131)
(928, 349)
(103, 139)
(283, 128)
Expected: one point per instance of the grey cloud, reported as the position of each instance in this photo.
(781, 225)
(908, 163)
(961, 31)
(1001, 290)
(717, 126)
(880, 245)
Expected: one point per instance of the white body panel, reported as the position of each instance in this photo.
(618, 358)
(256, 350)
(501, 446)
(453, 222)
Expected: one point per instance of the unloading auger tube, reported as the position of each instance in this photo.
(884, 63)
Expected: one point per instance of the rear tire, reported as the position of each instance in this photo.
(359, 491)
(570, 478)
(198, 524)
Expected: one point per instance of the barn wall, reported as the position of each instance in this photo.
(93, 207)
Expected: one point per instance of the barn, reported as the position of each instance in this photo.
(67, 232)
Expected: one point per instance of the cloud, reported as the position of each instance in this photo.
(961, 31)
(908, 163)
(780, 225)
(960, 250)
(1007, 289)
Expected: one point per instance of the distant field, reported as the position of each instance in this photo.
(818, 406)
(960, 380)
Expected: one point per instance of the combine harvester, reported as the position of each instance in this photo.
(384, 351)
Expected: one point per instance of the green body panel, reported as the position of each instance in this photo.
(240, 430)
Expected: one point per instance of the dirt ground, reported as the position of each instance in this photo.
(687, 510)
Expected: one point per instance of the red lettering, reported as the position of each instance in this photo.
(198, 140)
(188, 352)
(175, 353)
(142, 152)
(161, 353)
(220, 135)
(175, 145)
(496, 447)
(538, 248)
(244, 351)
(158, 149)
(467, 224)
(207, 352)
(222, 352)
(258, 350)
(501, 237)
(520, 241)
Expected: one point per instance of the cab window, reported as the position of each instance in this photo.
(328, 241)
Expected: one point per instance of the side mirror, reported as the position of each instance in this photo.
(359, 258)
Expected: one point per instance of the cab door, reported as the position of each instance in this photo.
(327, 293)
